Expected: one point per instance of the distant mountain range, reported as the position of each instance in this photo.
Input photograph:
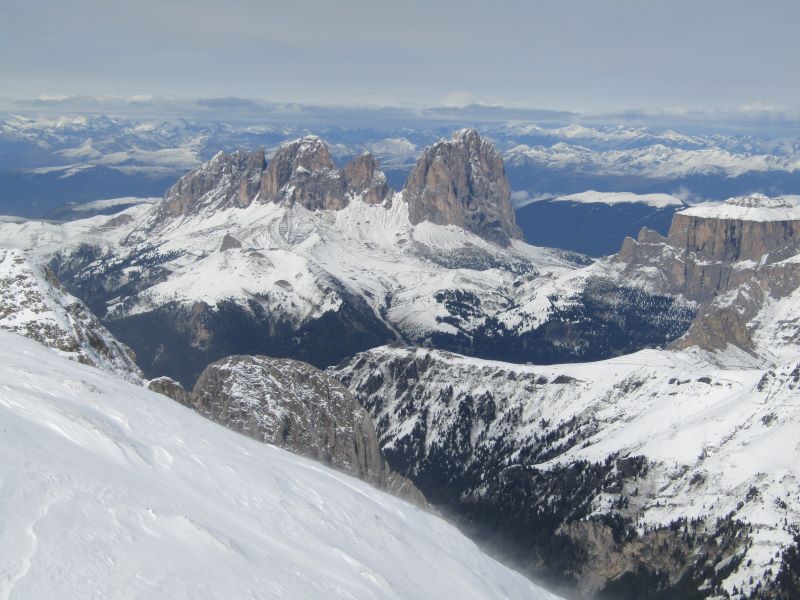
(46, 161)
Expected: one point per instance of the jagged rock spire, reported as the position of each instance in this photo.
(462, 181)
(302, 171)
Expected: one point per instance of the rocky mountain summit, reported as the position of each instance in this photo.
(241, 171)
(303, 172)
(295, 406)
(300, 172)
(462, 182)
(33, 303)
(459, 182)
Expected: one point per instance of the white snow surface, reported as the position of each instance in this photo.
(111, 491)
(296, 262)
(657, 160)
(755, 207)
(594, 197)
(36, 306)
(110, 203)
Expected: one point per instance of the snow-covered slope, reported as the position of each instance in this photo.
(605, 458)
(224, 270)
(755, 207)
(111, 491)
(33, 303)
(362, 275)
(594, 197)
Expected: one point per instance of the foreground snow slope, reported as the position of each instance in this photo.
(110, 491)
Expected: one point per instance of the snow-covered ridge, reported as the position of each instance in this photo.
(112, 491)
(716, 430)
(594, 197)
(755, 207)
(658, 160)
(33, 304)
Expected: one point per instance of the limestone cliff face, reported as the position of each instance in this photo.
(226, 180)
(733, 240)
(363, 177)
(167, 386)
(300, 172)
(462, 182)
(728, 258)
(459, 182)
(303, 172)
(293, 405)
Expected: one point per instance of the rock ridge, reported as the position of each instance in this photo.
(295, 406)
(460, 181)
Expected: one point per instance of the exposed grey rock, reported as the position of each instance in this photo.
(363, 177)
(462, 181)
(303, 172)
(726, 265)
(459, 182)
(295, 406)
(732, 240)
(229, 242)
(170, 388)
(225, 180)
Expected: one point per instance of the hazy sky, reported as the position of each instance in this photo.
(590, 55)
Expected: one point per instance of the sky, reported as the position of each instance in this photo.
(577, 55)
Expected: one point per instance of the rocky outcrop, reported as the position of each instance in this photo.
(303, 172)
(226, 180)
(33, 303)
(728, 258)
(363, 177)
(300, 172)
(166, 386)
(462, 182)
(743, 228)
(293, 405)
(229, 243)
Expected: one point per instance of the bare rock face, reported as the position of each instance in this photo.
(363, 177)
(303, 172)
(728, 258)
(744, 228)
(462, 182)
(225, 180)
(297, 407)
(229, 243)
(167, 386)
